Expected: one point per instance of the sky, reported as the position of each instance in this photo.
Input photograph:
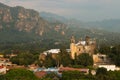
(84, 10)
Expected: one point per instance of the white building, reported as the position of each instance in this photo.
(100, 59)
(3, 69)
(109, 67)
(47, 69)
(54, 51)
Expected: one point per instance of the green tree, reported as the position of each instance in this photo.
(64, 57)
(2, 77)
(101, 74)
(74, 75)
(114, 75)
(115, 55)
(84, 60)
(102, 71)
(23, 59)
(49, 61)
(52, 76)
(20, 74)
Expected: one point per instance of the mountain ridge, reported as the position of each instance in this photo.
(22, 25)
(112, 25)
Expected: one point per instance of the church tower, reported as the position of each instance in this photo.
(87, 39)
(83, 46)
(73, 47)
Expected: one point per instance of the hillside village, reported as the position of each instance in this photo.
(87, 46)
(37, 46)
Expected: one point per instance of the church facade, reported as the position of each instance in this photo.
(82, 46)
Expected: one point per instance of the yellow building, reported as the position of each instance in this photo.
(1, 55)
(101, 59)
(83, 46)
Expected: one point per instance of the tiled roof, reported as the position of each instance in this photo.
(54, 51)
(40, 74)
(1, 67)
(72, 69)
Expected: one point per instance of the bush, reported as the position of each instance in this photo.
(20, 74)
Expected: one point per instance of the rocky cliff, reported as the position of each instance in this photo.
(27, 20)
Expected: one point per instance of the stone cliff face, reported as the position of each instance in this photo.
(26, 20)
(23, 25)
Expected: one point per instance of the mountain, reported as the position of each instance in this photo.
(20, 27)
(51, 17)
(112, 25)
(103, 31)
(21, 19)
(20, 23)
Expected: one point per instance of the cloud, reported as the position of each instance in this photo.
(81, 9)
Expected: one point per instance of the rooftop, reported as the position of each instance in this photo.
(83, 43)
(40, 74)
(73, 69)
(54, 51)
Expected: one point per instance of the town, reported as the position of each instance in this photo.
(82, 57)
(59, 40)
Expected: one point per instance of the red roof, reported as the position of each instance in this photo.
(40, 74)
(1, 67)
(73, 69)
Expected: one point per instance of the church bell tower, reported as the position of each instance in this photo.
(73, 47)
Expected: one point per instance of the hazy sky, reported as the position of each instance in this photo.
(86, 10)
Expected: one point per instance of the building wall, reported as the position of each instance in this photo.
(100, 59)
(108, 67)
(3, 70)
(80, 49)
(73, 49)
(88, 46)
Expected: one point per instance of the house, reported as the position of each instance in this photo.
(47, 69)
(1, 55)
(32, 67)
(40, 74)
(53, 52)
(85, 71)
(5, 61)
(3, 69)
(109, 67)
(11, 55)
(100, 59)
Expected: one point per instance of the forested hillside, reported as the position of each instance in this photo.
(26, 29)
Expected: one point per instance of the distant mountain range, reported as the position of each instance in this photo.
(51, 17)
(20, 25)
(112, 25)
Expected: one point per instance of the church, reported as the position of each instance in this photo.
(82, 46)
